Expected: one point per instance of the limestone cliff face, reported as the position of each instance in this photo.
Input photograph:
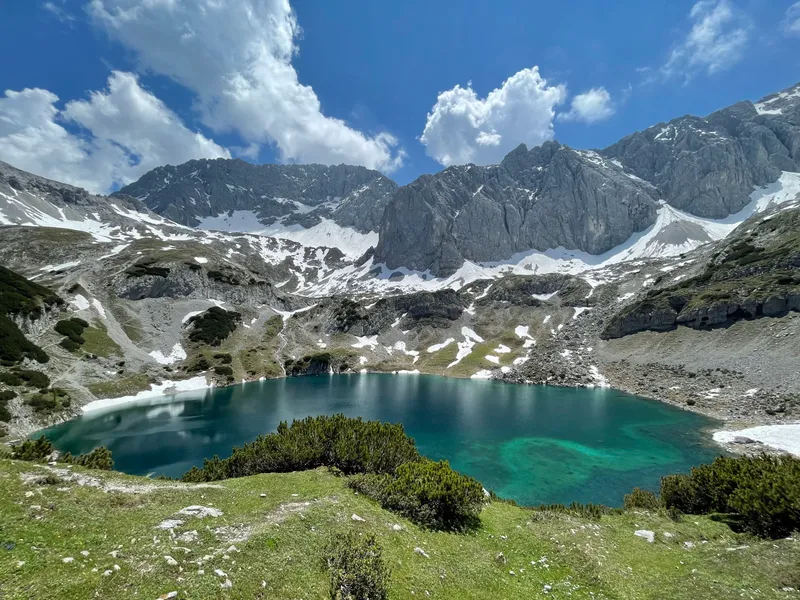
(553, 196)
(290, 194)
(547, 197)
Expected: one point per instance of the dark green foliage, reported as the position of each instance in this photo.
(49, 399)
(72, 329)
(10, 378)
(761, 493)
(99, 458)
(20, 296)
(146, 266)
(33, 450)
(201, 364)
(643, 499)
(588, 511)
(352, 445)
(7, 395)
(69, 345)
(213, 326)
(427, 492)
(224, 358)
(356, 567)
(39, 450)
(14, 346)
(223, 370)
(34, 379)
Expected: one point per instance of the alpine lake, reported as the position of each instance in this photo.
(532, 444)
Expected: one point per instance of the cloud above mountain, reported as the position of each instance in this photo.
(111, 139)
(464, 128)
(236, 57)
(590, 107)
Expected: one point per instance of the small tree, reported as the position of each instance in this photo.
(356, 568)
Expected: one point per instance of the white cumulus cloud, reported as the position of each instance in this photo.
(791, 21)
(590, 107)
(464, 128)
(237, 58)
(717, 40)
(122, 132)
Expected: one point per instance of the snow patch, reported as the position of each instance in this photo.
(784, 437)
(177, 353)
(157, 390)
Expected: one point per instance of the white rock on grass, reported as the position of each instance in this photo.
(421, 552)
(650, 536)
(107, 573)
(169, 524)
(200, 511)
(171, 561)
(227, 585)
(220, 573)
(397, 527)
(168, 596)
(67, 560)
(355, 517)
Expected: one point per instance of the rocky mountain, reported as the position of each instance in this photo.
(234, 195)
(553, 196)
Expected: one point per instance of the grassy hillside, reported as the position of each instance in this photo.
(271, 546)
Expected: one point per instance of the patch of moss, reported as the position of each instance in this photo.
(120, 386)
(97, 341)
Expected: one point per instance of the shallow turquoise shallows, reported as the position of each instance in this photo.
(535, 444)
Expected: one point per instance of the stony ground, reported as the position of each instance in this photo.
(70, 533)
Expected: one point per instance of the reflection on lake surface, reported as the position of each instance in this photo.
(535, 444)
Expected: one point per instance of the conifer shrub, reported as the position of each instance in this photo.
(641, 499)
(14, 346)
(40, 449)
(213, 326)
(69, 345)
(352, 445)
(761, 494)
(356, 567)
(34, 379)
(589, 511)
(427, 492)
(72, 329)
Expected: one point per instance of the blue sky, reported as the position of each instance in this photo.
(100, 91)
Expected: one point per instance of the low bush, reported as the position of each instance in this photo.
(224, 358)
(10, 378)
(99, 458)
(5, 414)
(15, 347)
(69, 345)
(213, 326)
(427, 492)
(34, 379)
(762, 494)
(6, 395)
(42, 402)
(223, 370)
(641, 499)
(352, 445)
(356, 567)
(72, 329)
(41, 449)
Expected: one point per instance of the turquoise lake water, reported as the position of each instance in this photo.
(535, 444)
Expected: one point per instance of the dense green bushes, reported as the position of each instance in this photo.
(5, 397)
(72, 330)
(351, 445)
(429, 493)
(356, 567)
(14, 346)
(213, 326)
(41, 449)
(639, 498)
(762, 494)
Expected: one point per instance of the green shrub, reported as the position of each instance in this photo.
(42, 402)
(5, 414)
(639, 498)
(761, 493)
(273, 326)
(223, 370)
(429, 493)
(6, 395)
(213, 326)
(18, 295)
(37, 450)
(14, 346)
(69, 345)
(224, 358)
(72, 329)
(352, 445)
(356, 567)
(34, 379)
(99, 458)
(10, 378)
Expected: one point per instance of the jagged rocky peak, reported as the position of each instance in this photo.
(709, 166)
(239, 196)
(546, 197)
